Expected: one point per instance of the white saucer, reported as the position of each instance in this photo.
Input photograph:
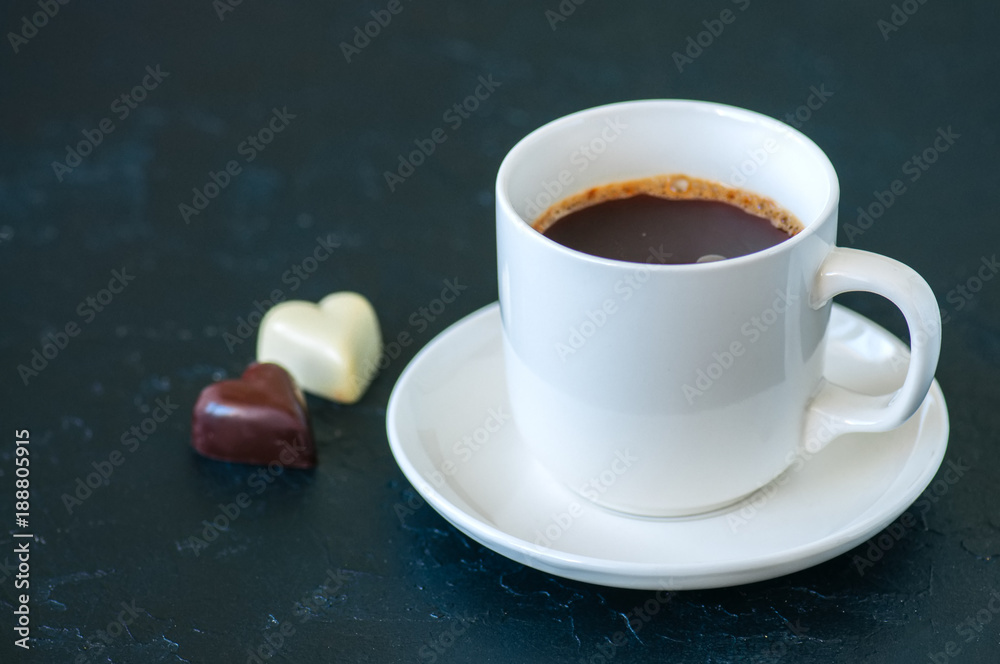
(501, 497)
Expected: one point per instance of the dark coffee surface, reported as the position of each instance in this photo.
(636, 228)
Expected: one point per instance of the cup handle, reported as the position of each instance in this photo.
(836, 410)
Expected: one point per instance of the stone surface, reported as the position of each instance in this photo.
(346, 563)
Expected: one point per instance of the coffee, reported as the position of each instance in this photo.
(693, 220)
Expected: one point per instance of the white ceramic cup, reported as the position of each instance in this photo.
(670, 390)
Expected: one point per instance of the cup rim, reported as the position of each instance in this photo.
(539, 134)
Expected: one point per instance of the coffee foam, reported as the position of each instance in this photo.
(677, 187)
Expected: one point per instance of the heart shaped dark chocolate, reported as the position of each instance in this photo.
(259, 419)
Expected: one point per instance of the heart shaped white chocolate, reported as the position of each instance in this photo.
(331, 349)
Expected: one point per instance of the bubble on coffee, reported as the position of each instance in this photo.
(693, 219)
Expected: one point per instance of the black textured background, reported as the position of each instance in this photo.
(325, 553)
